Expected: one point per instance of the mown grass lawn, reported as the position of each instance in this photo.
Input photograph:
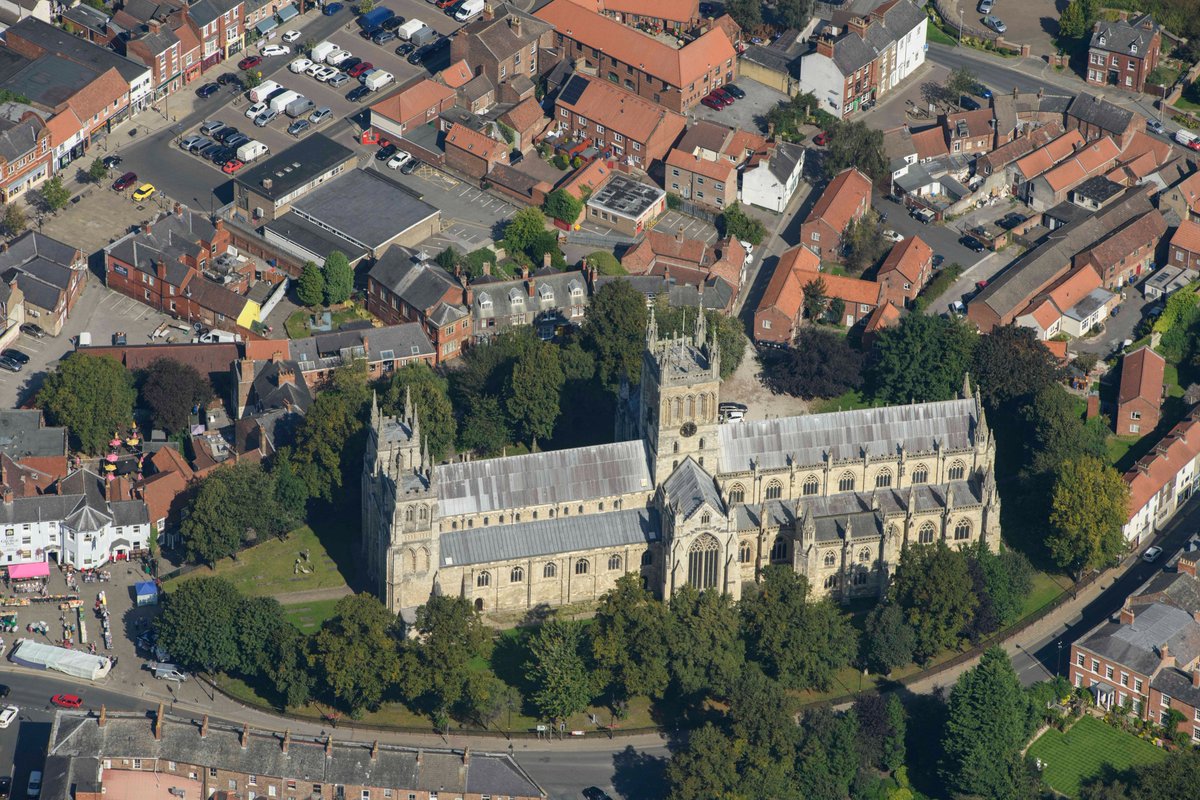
(1087, 747)
(1046, 589)
(844, 402)
(309, 616)
(267, 567)
(296, 324)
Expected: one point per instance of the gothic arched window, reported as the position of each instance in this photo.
(705, 518)
(864, 555)
(962, 530)
(581, 567)
(779, 549)
(483, 579)
(614, 562)
(883, 478)
(926, 534)
(860, 577)
(550, 570)
(830, 558)
(811, 486)
(957, 471)
(920, 474)
(774, 490)
(702, 562)
(517, 575)
(744, 553)
(408, 515)
(647, 558)
(832, 581)
(846, 482)
(737, 493)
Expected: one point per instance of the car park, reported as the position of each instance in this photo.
(398, 160)
(735, 90)
(972, 244)
(208, 90)
(188, 142)
(320, 115)
(410, 166)
(249, 62)
(300, 65)
(995, 23)
(336, 58)
(710, 102)
(1152, 553)
(332, 8)
(256, 109)
(339, 79)
(360, 68)
(276, 50)
(298, 127)
(357, 93)
(289, 36)
(67, 700)
(125, 181)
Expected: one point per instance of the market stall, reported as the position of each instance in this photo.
(71, 662)
(146, 593)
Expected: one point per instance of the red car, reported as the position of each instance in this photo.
(249, 62)
(821, 139)
(712, 102)
(724, 96)
(1195, 144)
(360, 69)
(67, 700)
(232, 166)
(125, 181)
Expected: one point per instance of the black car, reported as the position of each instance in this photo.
(4, 690)
(20, 358)
(224, 156)
(229, 79)
(207, 90)
(420, 54)
(708, 10)
(734, 90)
(237, 141)
(391, 23)
(972, 244)
(5, 786)
(349, 64)
(938, 260)
(111, 161)
(225, 134)
(207, 150)
(595, 793)
(405, 49)
(1011, 220)
(357, 93)
(9, 364)
(386, 152)
(409, 167)
(29, 329)
(969, 103)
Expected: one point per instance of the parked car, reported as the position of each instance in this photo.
(923, 216)
(985, 6)
(1152, 553)
(595, 793)
(972, 244)
(206, 150)
(300, 65)
(208, 90)
(232, 166)
(111, 161)
(312, 69)
(981, 285)
(35, 331)
(724, 96)
(391, 23)
(289, 36)
(265, 118)
(249, 62)
(276, 50)
(339, 79)
(410, 166)
(225, 134)
(211, 126)
(325, 73)
(125, 181)
(712, 102)
(1011, 220)
(982, 91)
(893, 236)
(298, 127)
(383, 37)
(995, 23)
(398, 160)
(34, 787)
(938, 260)
(9, 364)
(189, 142)
(405, 49)
(5, 786)
(357, 93)
(232, 81)
(1154, 126)
(320, 115)
(338, 58)
(821, 139)
(735, 90)
(969, 103)
(256, 109)
(332, 8)
(386, 152)
(360, 68)
(237, 141)
(420, 54)
(67, 700)
(349, 64)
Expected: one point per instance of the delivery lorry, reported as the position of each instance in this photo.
(251, 150)
(280, 101)
(263, 91)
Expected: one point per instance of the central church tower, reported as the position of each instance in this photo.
(681, 378)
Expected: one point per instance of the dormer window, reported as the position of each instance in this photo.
(1133, 49)
(485, 302)
(546, 293)
(1101, 40)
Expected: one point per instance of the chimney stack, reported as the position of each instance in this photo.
(487, 268)
(1164, 654)
(245, 739)
(1187, 566)
(1196, 678)
(859, 26)
(466, 756)
(825, 47)
(158, 722)
(375, 750)
(204, 727)
(524, 273)
(1126, 614)
(488, 12)
(103, 716)
(287, 739)
(679, 235)
(329, 746)
(515, 22)
(546, 260)
(420, 756)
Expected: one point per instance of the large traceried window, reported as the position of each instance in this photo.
(737, 494)
(702, 562)
(811, 486)
(779, 549)
(926, 534)
(774, 490)
(957, 471)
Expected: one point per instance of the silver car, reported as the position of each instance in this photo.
(320, 115)
(995, 23)
(339, 79)
(189, 142)
(265, 118)
(985, 6)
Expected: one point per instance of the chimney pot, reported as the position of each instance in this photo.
(1127, 615)
(103, 716)
(1196, 678)
(487, 268)
(158, 722)
(329, 745)
(375, 750)
(287, 739)
(245, 734)
(546, 260)
(1187, 566)
(204, 727)
(466, 756)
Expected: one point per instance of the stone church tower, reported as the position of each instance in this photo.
(400, 546)
(677, 413)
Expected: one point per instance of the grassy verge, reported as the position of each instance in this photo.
(843, 402)
(308, 617)
(935, 34)
(1046, 589)
(1086, 749)
(937, 287)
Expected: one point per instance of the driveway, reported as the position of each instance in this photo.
(747, 114)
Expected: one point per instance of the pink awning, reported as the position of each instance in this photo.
(21, 572)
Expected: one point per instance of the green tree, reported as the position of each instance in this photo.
(746, 13)
(615, 331)
(485, 697)
(629, 640)
(14, 220)
(961, 81)
(448, 259)
(291, 493)
(881, 728)
(864, 243)
(1088, 509)
(365, 6)
(1011, 363)
(736, 223)
(922, 359)
(354, 654)
(799, 642)
(92, 396)
(706, 768)
(430, 395)
(339, 278)
(535, 393)
(1077, 18)
(988, 723)
(837, 310)
(172, 390)
(855, 145)
(523, 229)
(1057, 432)
(330, 440)
(558, 670)
(605, 263)
(450, 635)
(485, 427)
(818, 364)
(233, 505)
(704, 642)
(562, 206)
(287, 667)
(888, 641)
(256, 618)
(794, 13)
(933, 586)
(828, 754)
(97, 171)
(310, 288)
(726, 330)
(815, 299)
(55, 194)
(198, 623)
(252, 78)
(1008, 579)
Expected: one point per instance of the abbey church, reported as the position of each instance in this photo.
(679, 499)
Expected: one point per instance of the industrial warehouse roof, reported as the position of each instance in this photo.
(549, 537)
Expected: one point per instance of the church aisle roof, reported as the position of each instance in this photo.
(845, 435)
(549, 537)
(549, 478)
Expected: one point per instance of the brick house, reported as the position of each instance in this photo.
(675, 78)
(220, 25)
(417, 105)
(1183, 198)
(1139, 400)
(1163, 480)
(970, 132)
(690, 262)
(1127, 252)
(706, 183)
(1095, 118)
(527, 120)
(667, 15)
(621, 124)
(50, 275)
(401, 288)
(473, 153)
(781, 307)
(1184, 249)
(502, 46)
(158, 47)
(26, 149)
(1124, 52)
(846, 198)
(906, 270)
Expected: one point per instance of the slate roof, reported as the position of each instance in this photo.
(846, 435)
(1125, 36)
(401, 341)
(170, 237)
(351, 204)
(80, 51)
(421, 284)
(500, 36)
(784, 160)
(1098, 111)
(549, 537)
(1136, 646)
(428, 769)
(269, 392)
(692, 488)
(552, 290)
(22, 435)
(547, 478)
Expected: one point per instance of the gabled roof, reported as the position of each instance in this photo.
(457, 74)
(1160, 466)
(475, 143)
(1046, 157)
(626, 113)
(1187, 236)
(508, 31)
(929, 143)
(1189, 190)
(973, 123)
(419, 283)
(1129, 37)
(523, 115)
(845, 198)
(1142, 375)
(716, 170)
(1127, 238)
(1089, 160)
(1093, 110)
(907, 258)
(690, 489)
(414, 101)
(591, 176)
(785, 292)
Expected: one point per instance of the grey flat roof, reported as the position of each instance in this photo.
(294, 167)
(625, 196)
(312, 238)
(365, 207)
(549, 537)
(548, 478)
(846, 435)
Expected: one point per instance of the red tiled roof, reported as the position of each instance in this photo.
(674, 10)
(626, 113)
(592, 176)
(979, 122)
(413, 101)
(1074, 287)
(1189, 187)
(475, 143)
(785, 292)
(907, 257)
(1187, 236)
(1158, 468)
(1147, 229)
(679, 67)
(523, 115)
(1044, 312)
(851, 290)
(929, 143)
(63, 126)
(1086, 162)
(884, 316)
(168, 459)
(1142, 374)
(716, 170)
(1046, 157)
(457, 74)
(846, 197)
(1057, 348)
(101, 93)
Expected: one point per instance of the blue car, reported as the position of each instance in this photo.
(332, 8)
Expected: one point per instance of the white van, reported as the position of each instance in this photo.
(406, 30)
(468, 10)
(1186, 137)
(321, 50)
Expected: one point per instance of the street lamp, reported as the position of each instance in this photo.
(1058, 664)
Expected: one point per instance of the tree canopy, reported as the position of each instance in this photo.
(558, 670)
(1011, 363)
(933, 585)
(854, 144)
(629, 640)
(234, 505)
(430, 394)
(339, 278)
(355, 655)
(451, 635)
(922, 359)
(741, 226)
(534, 392)
(1088, 510)
(818, 364)
(198, 624)
(562, 206)
(92, 396)
(615, 330)
(310, 288)
(172, 390)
